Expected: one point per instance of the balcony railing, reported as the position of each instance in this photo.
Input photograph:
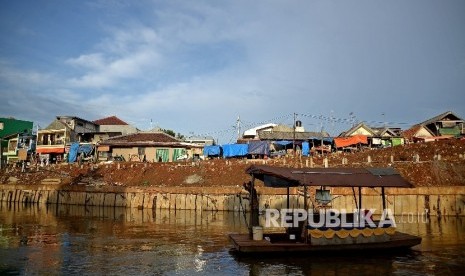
(50, 143)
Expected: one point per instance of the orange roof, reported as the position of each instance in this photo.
(112, 120)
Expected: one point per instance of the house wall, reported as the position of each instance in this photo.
(150, 153)
(125, 152)
(60, 137)
(124, 129)
(361, 131)
(422, 132)
(79, 126)
(100, 137)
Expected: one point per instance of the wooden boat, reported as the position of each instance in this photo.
(305, 236)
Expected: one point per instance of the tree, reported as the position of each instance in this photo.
(169, 132)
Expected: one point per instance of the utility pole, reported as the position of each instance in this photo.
(293, 141)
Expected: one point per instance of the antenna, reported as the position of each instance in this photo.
(238, 127)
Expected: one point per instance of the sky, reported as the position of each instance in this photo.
(196, 66)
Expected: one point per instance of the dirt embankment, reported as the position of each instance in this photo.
(448, 169)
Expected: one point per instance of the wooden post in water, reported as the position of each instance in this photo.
(253, 206)
(359, 199)
(383, 198)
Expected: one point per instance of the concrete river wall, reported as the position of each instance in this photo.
(434, 201)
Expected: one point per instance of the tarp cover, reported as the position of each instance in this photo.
(259, 147)
(86, 149)
(329, 177)
(397, 141)
(282, 143)
(73, 152)
(232, 150)
(349, 141)
(305, 148)
(211, 151)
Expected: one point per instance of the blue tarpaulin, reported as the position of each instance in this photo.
(232, 150)
(73, 152)
(76, 149)
(259, 147)
(211, 151)
(86, 149)
(305, 148)
(282, 143)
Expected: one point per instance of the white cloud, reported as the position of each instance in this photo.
(92, 61)
(194, 66)
(126, 54)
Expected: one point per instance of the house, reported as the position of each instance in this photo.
(20, 147)
(444, 124)
(375, 136)
(10, 128)
(283, 132)
(201, 140)
(360, 129)
(283, 138)
(252, 133)
(52, 141)
(418, 133)
(146, 146)
(114, 126)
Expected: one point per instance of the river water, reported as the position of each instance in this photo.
(71, 240)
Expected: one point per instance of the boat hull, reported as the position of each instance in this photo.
(243, 243)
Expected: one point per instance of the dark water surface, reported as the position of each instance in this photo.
(71, 240)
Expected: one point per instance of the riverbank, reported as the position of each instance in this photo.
(423, 201)
(437, 170)
(432, 164)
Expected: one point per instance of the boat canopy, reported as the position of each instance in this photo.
(280, 177)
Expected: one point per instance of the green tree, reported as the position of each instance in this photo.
(169, 132)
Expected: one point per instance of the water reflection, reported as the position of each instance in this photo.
(71, 239)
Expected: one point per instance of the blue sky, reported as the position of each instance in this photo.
(195, 66)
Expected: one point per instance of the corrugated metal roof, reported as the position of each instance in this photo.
(330, 177)
(284, 135)
(440, 117)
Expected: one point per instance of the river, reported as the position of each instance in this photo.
(72, 240)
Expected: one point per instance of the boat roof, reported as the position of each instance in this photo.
(280, 177)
